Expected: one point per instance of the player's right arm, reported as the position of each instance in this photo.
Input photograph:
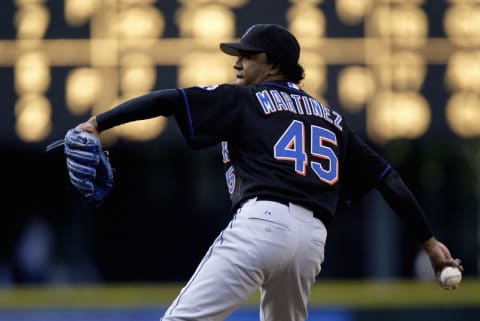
(365, 169)
(370, 170)
(404, 203)
(440, 258)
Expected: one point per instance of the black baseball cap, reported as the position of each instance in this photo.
(276, 41)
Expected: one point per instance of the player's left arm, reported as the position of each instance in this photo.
(164, 102)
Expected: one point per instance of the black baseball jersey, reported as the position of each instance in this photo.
(279, 143)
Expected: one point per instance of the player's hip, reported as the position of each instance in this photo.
(285, 213)
(283, 236)
(293, 222)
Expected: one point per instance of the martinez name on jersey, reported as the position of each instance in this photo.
(273, 100)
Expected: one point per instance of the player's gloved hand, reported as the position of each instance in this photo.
(440, 258)
(88, 165)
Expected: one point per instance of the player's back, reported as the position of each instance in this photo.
(286, 149)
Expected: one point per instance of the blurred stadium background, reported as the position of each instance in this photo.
(405, 73)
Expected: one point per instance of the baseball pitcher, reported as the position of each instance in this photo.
(289, 160)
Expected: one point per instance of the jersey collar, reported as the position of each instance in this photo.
(282, 84)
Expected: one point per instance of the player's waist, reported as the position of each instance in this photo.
(320, 214)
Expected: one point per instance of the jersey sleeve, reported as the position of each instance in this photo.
(164, 102)
(403, 202)
(365, 169)
(210, 115)
(362, 168)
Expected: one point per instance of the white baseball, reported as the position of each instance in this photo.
(451, 276)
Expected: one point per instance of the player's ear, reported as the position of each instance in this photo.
(274, 70)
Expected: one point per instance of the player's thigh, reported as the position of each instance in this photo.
(285, 295)
(226, 277)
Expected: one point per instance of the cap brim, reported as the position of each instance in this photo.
(237, 48)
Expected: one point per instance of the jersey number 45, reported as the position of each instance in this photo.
(291, 147)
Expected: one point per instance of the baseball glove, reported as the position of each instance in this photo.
(88, 165)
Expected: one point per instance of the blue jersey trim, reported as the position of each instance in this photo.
(382, 175)
(187, 107)
(275, 84)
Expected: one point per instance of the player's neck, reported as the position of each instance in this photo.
(276, 77)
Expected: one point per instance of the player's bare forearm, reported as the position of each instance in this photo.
(440, 257)
(90, 126)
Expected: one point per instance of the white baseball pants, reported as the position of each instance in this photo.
(268, 246)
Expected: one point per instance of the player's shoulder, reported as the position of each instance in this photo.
(216, 87)
(222, 89)
(279, 85)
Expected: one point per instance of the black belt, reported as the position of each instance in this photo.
(321, 215)
(272, 199)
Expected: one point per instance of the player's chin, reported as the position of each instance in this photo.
(240, 81)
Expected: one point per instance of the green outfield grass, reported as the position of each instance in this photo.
(347, 294)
